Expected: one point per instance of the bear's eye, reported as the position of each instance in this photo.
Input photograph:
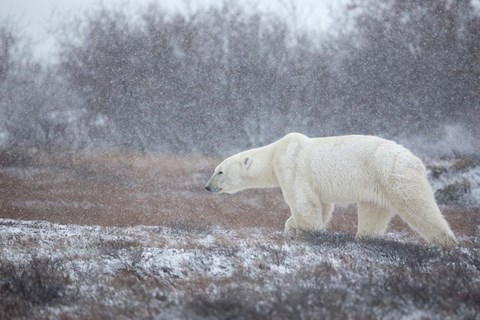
(220, 172)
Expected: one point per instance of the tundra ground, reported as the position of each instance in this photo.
(129, 236)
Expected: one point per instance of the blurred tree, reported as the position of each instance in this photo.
(196, 83)
(409, 67)
(7, 42)
(36, 110)
(222, 79)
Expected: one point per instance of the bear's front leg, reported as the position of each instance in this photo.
(310, 219)
(305, 208)
(305, 217)
(290, 229)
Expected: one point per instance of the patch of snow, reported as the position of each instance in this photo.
(175, 260)
(451, 176)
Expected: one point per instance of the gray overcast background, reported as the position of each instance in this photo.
(38, 17)
(403, 75)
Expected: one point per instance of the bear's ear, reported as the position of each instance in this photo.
(247, 162)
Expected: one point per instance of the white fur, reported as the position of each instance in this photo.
(381, 176)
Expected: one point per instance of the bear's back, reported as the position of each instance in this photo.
(350, 168)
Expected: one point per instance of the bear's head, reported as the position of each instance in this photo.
(231, 175)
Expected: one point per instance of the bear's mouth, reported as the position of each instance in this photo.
(213, 189)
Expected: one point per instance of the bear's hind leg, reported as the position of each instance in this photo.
(416, 205)
(373, 219)
(428, 222)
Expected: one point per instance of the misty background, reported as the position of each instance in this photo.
(222, 77)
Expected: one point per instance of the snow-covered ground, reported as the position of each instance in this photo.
(209, 272)
(456, 181)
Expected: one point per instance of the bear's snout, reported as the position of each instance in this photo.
(213, 189)
(211, 186)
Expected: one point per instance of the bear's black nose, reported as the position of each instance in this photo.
(208, 188)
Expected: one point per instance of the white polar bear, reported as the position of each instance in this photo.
(383, 177)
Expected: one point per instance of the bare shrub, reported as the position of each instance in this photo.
(466, 162)
(328, 239)
(189, 227)
(291, 297)
(453, 193)
(129, 253)
(412, 254)
(15, 157)
(38, 282)
(277, 255)
(232, 303)
(448, 290)
(442, 285)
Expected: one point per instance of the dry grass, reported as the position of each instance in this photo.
(125, 190)
(130, 189)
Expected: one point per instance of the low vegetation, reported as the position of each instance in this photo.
(130, 236)
(76, 272)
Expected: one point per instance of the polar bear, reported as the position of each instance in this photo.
(381, 176)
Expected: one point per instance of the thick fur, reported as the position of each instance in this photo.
(381, 176)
